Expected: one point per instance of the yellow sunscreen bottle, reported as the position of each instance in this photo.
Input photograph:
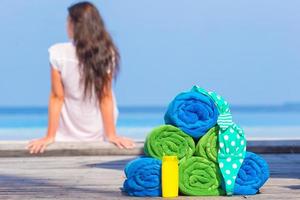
(169, 176)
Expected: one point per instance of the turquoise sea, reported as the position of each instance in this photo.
(259, 122)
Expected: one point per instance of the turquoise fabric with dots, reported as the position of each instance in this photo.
(232, 142)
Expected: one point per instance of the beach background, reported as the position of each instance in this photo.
(247, 51)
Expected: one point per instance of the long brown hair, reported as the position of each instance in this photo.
(96, 52)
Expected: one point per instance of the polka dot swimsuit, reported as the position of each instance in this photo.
(232, 142)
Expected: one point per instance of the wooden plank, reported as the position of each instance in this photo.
(100, 177)
(17, 148)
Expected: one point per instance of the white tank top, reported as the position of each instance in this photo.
(80, 120)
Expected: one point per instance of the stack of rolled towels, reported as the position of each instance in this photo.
(210, 147)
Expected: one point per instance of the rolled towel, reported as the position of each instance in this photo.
(143, 177)
(208, 145)
(170, 141)
(192, 112)
(253, 173)
(199, 177)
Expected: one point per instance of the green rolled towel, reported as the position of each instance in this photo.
(199, 177)
(208, 145)
(170, 141)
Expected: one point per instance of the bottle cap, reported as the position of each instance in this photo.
(170, 158)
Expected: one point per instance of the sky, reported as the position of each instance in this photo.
(247, 51)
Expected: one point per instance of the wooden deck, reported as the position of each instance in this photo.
(100, 177)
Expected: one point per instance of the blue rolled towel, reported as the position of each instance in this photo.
(253, 173)
(192, 112)
(143, 177)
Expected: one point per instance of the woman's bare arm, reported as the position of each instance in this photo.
(107, 112)
(56, 100)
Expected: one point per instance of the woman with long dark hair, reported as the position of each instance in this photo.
(82, 106)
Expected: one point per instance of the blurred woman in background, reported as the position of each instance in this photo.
(82, 105)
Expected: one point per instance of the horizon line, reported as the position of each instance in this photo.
(287, 107)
